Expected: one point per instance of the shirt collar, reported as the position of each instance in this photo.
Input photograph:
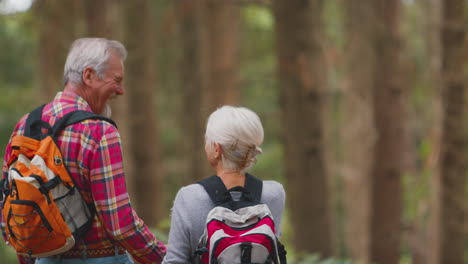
(72, 98)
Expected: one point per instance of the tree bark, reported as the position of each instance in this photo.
(302, 80)
(221, 50)
(140, 73)
(209, 67)
(359, 132)
(56, 31)
(99, 21)
(426, 249)
(192, 83)
(390, 105)
(453, 155)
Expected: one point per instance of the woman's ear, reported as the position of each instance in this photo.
(218, 150)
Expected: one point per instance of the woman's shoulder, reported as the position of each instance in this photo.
(195, 194)
(273, 190)
(273, 187)
(192, 193)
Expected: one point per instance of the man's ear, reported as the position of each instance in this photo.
(88, 75)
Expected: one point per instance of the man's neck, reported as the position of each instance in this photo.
(73, 88)
(80, 91)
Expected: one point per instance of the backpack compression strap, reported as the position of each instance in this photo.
(218, 193)
(76, 117)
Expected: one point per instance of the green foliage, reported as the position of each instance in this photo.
(7, 255)
(16, 36)
(259, 87)
(160, 235)
(16, 72)
(266, 166)
(259, 17)
(315, 259)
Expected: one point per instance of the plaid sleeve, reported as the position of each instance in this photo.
(113, 205)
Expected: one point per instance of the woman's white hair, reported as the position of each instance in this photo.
(239, 131)
(90, 52)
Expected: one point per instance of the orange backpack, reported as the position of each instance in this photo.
(43, 209)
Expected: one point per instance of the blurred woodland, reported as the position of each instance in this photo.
(364, 105)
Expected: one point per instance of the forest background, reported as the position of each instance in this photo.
(363, 103)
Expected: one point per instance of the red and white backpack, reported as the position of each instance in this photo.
(240, 229)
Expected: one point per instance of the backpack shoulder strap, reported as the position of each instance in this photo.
(215, 188)
(34, 123)
(76, 117)
(218, 193)
(254, 186)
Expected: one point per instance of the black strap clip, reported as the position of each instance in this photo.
(4, 191)
(246, 253)
(46, 187)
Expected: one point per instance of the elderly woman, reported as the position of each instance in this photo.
(232, 142)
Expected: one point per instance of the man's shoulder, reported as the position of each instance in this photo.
(93, 123)
(58, 109)
(96, 122)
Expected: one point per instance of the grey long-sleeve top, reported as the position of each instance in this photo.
(191, 207)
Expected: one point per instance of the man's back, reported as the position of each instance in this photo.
(92, 154)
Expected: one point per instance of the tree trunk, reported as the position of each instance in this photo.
(359, 131)
(57, 30)
(392, 138)
(453, 156)
(221, 22)
(302, 79)
(141, 92)
(426, 249)
(376, 138)
(209, 65)
(98, 17)
(192, 83)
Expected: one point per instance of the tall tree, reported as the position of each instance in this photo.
(57, 28)
(221, 25)
(359, 132)
(375, 136)
(302, 80)
(98, 18)
(140, 71)
(389, 106)
(453, 156)
(192, 83)
(425, 248)
(210, 70)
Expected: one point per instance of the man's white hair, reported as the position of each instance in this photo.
(90, 52)
(240, 133)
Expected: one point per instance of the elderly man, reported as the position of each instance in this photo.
(91, 149)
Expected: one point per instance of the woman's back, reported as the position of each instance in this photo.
(191, 207)
(232, 142)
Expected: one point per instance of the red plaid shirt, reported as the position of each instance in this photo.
(93, 154)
